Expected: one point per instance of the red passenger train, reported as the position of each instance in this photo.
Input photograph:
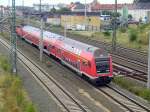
(87, 60)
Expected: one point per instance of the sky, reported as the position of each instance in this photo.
(30, 2)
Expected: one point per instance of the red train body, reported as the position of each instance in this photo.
(85, 59)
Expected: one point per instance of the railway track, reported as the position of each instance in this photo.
(123, 64)
(128, 104)
(67, 102)
(131, 54)
(127, 67)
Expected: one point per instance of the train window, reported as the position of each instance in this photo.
(102, 67)
(53, 47)
(45, 47)
(50, 46)
(89, 64)
(58, 51)
(84, 63)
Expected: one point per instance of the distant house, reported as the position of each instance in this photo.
(95, 6)
(76, 7)
(141, 9)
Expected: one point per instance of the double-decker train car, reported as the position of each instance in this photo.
(86, 60)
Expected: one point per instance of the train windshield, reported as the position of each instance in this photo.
(102, 65)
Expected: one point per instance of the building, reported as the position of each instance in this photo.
(76, 7)
(141, 9)
(45, 7)
(91, 22)
(96, 6)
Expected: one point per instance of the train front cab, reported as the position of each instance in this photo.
(104, 72)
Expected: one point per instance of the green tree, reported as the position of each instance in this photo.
(130, 17)
(53, 10)
(64, 9)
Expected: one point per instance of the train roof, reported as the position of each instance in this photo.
(68, 43)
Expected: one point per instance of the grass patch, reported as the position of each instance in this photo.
(13, 97)
(133, 87)
(133, 35)
(4, 64)
(5, 35)
(106, 33)
(123, 30)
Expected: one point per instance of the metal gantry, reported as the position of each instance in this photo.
(13, 40)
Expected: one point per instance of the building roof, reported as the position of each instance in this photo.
(141, 4)
(76, 6)
(141, 1)
(95, 5)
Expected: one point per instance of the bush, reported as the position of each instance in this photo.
(143, 26)
(145, 93)
(4, 64)
(143, 38)
(13, 96)
(133, 35)
(123, 30)
(106, 33)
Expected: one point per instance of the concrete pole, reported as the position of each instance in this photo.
(41, 35)
(41, 40)
(1, 9)
(28, 20)
(65, 32)
(148, 77)
(114, 28)
(23, 10)
(85, 15)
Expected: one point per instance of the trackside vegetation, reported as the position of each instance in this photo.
(13, 98)
(134, 36)
(133, 87)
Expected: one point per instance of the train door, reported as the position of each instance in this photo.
(52, 49)
(85, 66)
(58, 53)
(78, 64)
